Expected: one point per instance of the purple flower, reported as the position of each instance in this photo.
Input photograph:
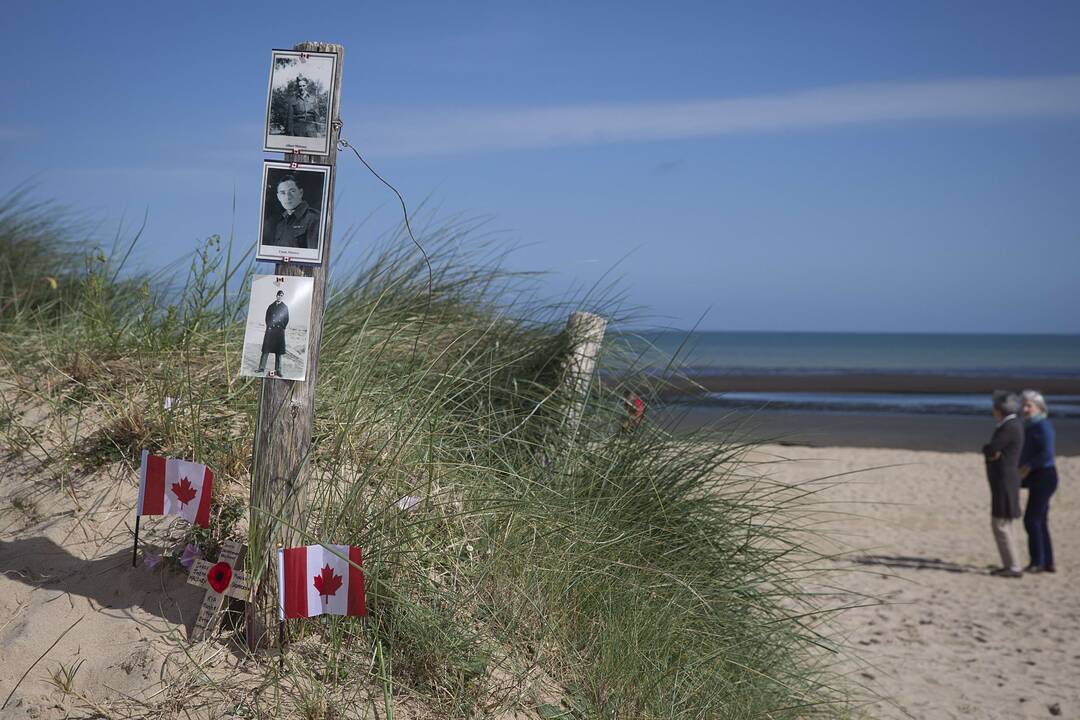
(151, 559)
(190, 555)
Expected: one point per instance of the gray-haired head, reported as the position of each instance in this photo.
(1006, 402)
(1036, 398)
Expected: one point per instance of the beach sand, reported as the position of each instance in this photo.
(66, 577)
(939, 637)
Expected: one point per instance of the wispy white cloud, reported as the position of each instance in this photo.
(441, 131)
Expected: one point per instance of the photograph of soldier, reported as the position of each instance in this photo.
(279, 315)
(292, 210)
(299, 102)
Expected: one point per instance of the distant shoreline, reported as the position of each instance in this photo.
(868, 382)
(938, 433)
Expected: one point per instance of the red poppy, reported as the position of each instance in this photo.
(219, 576)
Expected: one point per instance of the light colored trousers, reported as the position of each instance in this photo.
(1006, 543)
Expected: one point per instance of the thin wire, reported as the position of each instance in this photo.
(343, 143)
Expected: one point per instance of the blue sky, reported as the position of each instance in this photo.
(855, 166)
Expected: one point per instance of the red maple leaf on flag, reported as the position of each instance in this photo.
(327, 582)
(183, 491)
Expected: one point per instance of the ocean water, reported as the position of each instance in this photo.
(774, 355)
(908, 353)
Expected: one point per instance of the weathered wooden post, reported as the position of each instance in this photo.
(585, 332)
(279, 472)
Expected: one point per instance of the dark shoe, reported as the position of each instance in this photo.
(1034, 569)
(1049, 569)
(1007, 573)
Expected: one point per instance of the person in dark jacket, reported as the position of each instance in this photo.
(1002, 456)
(1040, 478)
(277, 319)
(298, 224)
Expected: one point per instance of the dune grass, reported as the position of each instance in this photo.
(549, 568)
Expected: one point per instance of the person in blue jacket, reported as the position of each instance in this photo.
(1040, 478)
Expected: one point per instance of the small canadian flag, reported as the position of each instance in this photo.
(175, 487)
(320, 579)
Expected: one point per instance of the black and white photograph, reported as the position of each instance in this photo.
(291, 226)
(299, 102)
(276, 336)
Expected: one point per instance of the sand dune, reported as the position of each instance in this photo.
(66, 577)
(941, 639)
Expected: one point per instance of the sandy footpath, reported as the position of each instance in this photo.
(949, 641)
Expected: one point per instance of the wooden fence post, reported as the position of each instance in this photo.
(586, 333)
(279, 467)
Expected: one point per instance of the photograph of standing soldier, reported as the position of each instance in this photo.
(277, 319)
(299, 102)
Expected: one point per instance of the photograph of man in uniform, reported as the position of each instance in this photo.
(278, 324)
(299, 102)
(298, 224)
(294, 201)
(277, 319)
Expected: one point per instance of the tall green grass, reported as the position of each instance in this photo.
(562, 570)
